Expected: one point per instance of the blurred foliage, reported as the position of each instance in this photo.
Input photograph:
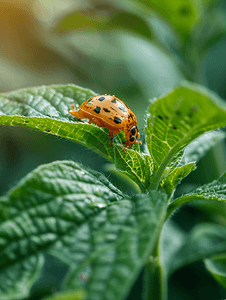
(135, 49)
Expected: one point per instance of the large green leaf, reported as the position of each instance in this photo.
(177, 119)
(114, 267)
(211, 191)
(79, 217)
(46, 108)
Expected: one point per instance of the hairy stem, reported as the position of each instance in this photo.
(155, 285)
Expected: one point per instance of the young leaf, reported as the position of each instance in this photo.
(82, 219)
(138, 167)
(217, 267)
(169, 183)
(205, 240)
(183, 164)
(211, 191)
(177, 119)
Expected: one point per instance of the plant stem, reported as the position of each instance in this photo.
(155, 286)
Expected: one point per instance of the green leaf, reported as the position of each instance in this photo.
(44, 206)
(44, 101)
(88, 135)
(16, 279)
(46, 108)
(169, 183)
(110, 19)
(177, 119)
(115, 266)
(211, 191)
(204, 240)
(217, 267)
(79, 217)
(138, 167)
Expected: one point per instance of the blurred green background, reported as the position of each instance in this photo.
(134, 49)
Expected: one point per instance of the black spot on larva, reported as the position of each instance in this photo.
(131, 115)
(160, 117)
(117, 120)
(114, 100)
(48, 130)
(97, 109)
(133, 130)
(106, 110)
(174, 127)
(178, 113)
(101, 98)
